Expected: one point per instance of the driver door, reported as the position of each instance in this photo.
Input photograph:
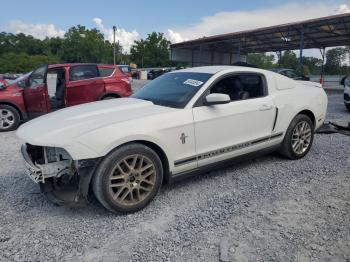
(244, 125)
(35, 93)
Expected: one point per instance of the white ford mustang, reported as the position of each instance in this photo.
(182, 123)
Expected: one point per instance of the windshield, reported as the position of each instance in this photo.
(173, 89)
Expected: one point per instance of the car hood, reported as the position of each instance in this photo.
(60, 127)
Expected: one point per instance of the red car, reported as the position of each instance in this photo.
(126, 69)
(53, 87)
(3, 82)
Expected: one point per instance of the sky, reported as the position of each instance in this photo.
(179, 20)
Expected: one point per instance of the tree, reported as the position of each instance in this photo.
(261, 60)
(334, 59)
(79, 45)
(22, 63)
(20, 43)
(289, 60)
(312, 65)
(152, 51)
(53, 46)
(87, 46)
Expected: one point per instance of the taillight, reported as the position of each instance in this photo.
(127, 80)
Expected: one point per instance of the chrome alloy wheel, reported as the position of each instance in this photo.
(132, 180)
(7, 119)
(301, 137)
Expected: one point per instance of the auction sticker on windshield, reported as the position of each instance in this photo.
(193, 82)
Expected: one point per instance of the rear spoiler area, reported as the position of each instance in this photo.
(311, 84)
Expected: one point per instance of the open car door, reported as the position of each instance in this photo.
(35, 93)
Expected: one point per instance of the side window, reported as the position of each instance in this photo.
(105, 71)
(37, 77)
(240, 87)
(83, 72)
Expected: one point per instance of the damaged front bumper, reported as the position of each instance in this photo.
(41, 172)
(65, 181)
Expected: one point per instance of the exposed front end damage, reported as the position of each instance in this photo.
(65, 181)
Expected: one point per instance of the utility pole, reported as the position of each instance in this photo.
(323, 51)
(119, 54)
(114, 29)
(301, 62)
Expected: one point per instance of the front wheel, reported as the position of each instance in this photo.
(298, 138)
(9, 118)
(128, 178)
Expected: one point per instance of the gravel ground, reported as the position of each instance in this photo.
(264, 209)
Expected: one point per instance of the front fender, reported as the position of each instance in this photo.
(19, 108)
(105, 150)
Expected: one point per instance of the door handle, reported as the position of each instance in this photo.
(265, 108)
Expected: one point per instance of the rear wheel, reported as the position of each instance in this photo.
(298, 138)
(128, 178)
(9, 118)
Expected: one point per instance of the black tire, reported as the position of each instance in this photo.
(101, 182)
(286, 148)
(14, 117)
(347, 106)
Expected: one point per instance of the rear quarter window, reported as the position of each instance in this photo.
(125, 69)
(105, 71)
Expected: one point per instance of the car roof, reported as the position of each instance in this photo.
(77, 64)
(217, 69)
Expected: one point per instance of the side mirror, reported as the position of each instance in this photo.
(21, 83)
(2, 86)
(217, 99)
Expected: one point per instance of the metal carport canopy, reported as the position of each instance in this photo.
(314, 33)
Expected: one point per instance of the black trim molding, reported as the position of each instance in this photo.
(223, 163)
(224, 150)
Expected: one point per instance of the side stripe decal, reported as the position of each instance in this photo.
(224, 150)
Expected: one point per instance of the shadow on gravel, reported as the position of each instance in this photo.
(236, 165)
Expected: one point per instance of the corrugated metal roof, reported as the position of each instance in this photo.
(318, 33)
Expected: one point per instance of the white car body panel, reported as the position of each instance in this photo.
(95, 129)
(217, 126)
(310, 83)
